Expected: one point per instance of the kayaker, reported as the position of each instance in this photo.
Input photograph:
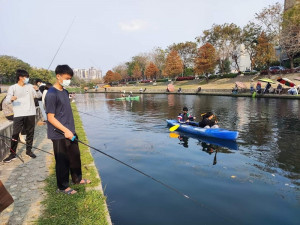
(207, 121)
(185, 116)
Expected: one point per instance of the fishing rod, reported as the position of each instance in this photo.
(137, 170)
(24, 144)
(14, 152)
(61, 43)
(74, 138)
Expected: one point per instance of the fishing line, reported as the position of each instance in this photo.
(89, 114)
(25, 144)
(62, 42)
(147, 175)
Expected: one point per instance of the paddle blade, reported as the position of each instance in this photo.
(174, 135)
(174, 127)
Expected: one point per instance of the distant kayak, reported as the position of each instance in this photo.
(207, 132)
(133, 98)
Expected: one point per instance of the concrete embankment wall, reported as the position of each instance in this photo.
(6, 130)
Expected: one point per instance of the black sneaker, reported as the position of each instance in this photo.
(10, 158)
(30, 154)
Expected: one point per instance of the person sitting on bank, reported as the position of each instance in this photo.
(278, 89)
(185, 116)
(268, 86)
(208, 121)
(235, 89)
(293, 91)
(258, 88)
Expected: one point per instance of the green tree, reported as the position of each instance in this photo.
(290, 36)
(158, 57)
(226, 38)
(187, 52)
(250, 35)
(8, 67)
(271, 20)
(43, 74)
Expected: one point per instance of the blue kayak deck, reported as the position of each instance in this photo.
(207, 132)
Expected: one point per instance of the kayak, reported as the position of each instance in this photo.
(207, 132)
(133, 98)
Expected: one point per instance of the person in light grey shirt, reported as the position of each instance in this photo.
(22, 95)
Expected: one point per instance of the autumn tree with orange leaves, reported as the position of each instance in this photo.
(109, 76)
(265, 52)
(174, 65)
(205, 61)
(151, 71)
(136, 72)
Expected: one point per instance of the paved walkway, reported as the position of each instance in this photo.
(25, 182)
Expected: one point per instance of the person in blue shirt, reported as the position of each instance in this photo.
(60, 117)
(185, 116)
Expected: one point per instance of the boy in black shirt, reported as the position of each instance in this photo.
(60, 117)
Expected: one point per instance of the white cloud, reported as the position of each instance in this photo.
(132, 25)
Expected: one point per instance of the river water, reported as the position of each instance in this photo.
(253, 181)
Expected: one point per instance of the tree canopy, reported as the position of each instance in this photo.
(174, 64)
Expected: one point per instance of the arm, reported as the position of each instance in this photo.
(10, 95)
(59, 126)
(36, 92)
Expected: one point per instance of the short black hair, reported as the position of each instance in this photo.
(38, 80)
(48, 85)
(185, 108)
(64, 69)
(208, 114)
(21, 73)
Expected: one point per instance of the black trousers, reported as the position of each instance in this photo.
(25, 124)
(67, 157)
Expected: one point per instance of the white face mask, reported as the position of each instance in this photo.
(26, 80)
(65, 83)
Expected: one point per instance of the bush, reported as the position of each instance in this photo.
(131, 82)
(297, 62)
(162, 80)
(249, 73)
(184, 78)
(145, 81)
(230, 75)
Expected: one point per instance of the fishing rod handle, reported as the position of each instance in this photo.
(59, 131)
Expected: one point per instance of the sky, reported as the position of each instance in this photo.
(106, 33)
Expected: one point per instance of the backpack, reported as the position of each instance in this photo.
(6, 108)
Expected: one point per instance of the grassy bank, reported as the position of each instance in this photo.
(88, 206)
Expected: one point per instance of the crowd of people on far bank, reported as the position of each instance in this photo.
(268, 89)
